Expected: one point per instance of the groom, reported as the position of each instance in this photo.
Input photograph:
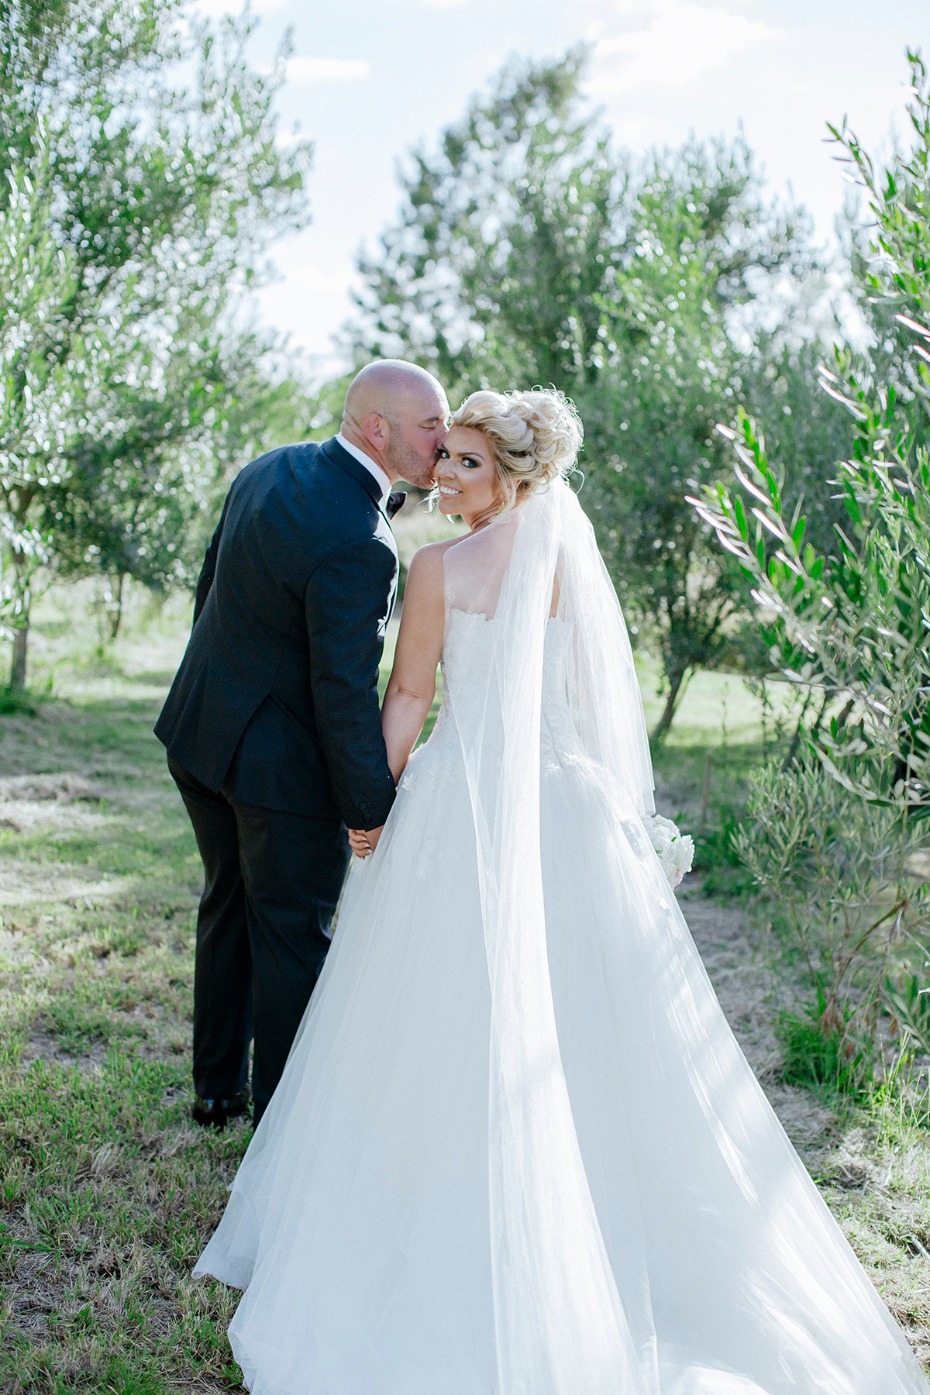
(272, 723)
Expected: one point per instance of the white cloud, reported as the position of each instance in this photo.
(321, 280)
(301, 69)
(286, 140)
(673, 42)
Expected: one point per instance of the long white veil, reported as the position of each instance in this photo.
(561, 1327)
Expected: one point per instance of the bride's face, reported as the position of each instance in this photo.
(466, 475)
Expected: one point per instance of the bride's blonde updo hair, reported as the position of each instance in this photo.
(536, 436)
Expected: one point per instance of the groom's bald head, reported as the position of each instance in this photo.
(396, 413)
(382, 384)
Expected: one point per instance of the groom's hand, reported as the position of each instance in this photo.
(364, 841)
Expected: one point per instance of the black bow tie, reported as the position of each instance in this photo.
(394, 502)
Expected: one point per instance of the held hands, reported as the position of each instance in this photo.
(363, 842)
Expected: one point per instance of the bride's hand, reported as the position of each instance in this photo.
(358, 842)
(364, 841)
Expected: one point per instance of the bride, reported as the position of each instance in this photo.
(516, 1149)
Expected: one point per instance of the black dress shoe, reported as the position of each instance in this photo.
(213, 1113)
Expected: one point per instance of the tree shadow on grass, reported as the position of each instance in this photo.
(75, 735)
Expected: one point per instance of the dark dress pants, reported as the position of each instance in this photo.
(271, 883)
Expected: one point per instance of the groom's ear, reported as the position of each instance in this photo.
(375, 429)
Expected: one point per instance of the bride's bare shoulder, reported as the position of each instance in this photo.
(434, 552)
(429, 557)
(426, 566)
(473, 564)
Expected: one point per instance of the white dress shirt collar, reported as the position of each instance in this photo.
(372, 466)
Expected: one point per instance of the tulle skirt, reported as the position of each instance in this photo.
(360, 1221)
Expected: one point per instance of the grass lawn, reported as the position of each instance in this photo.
(107, 1192)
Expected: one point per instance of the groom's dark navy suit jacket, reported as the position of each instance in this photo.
(276, 699)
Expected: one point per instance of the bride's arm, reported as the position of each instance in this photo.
(412, 684)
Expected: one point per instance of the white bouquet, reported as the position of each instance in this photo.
(675, 850)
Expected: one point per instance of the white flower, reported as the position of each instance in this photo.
(675, 850)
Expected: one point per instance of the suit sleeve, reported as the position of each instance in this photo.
(208, 570)
(347, 603)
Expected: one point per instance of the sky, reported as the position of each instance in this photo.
(370, 79)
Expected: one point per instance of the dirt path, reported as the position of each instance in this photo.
(743, 979)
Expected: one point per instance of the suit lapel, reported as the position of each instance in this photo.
(335, 453)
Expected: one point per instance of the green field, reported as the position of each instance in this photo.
(107, 1191)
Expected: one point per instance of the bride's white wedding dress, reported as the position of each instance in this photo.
(516, 1149)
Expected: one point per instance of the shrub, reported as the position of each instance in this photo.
(848, 910)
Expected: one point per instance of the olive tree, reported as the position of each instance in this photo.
(145, 143)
